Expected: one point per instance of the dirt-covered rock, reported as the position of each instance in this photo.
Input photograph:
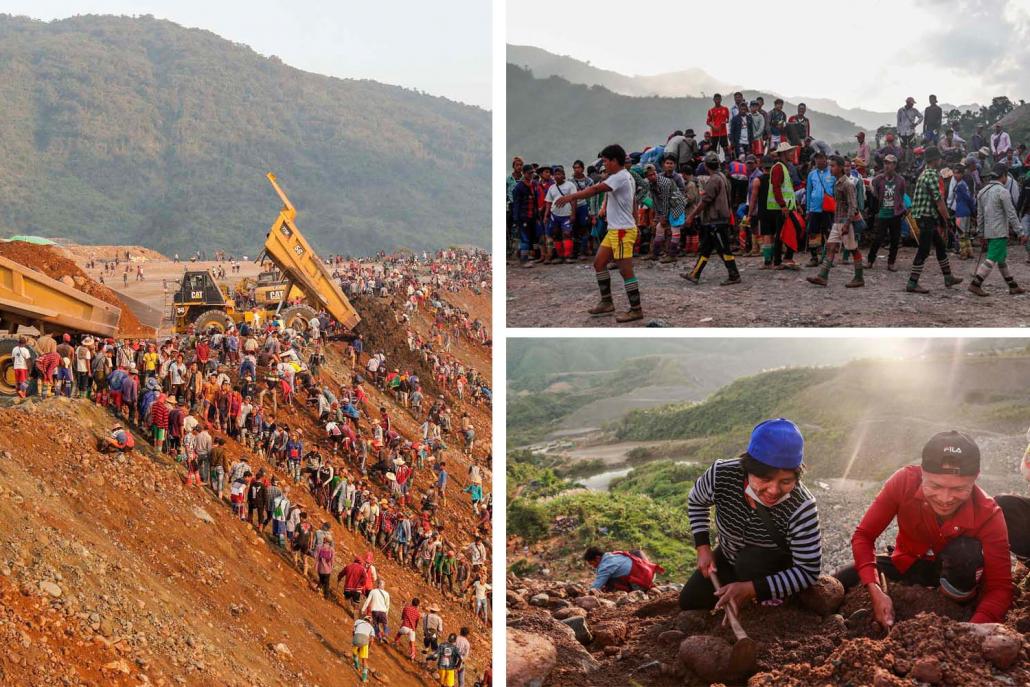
(825, 595)
(705, 656)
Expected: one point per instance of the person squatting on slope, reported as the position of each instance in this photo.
(951, 534)
(766, 520)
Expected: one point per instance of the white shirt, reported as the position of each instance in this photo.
(379, 599)
(1000, 143)
(620, 200)
(21, 357)
(554, 193)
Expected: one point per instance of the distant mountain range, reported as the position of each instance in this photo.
(140, 131)
(551, 120)
(689, 82)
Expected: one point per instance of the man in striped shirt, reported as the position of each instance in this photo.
(769, 543)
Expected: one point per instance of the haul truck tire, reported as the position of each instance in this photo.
(210, 318)
(7, 385)
(296, 317)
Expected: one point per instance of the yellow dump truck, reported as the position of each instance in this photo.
(30, 298)
(201, 302)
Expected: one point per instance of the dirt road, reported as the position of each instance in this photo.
(549, 296)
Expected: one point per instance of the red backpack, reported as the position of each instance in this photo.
(641, 575)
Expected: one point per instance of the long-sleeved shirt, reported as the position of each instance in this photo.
(819, 183)
(738, 525)
(995, 213)
(921, 535)
(611, 567)
(523, 203)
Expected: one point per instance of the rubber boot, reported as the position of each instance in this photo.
(951, 280)
(858, 280)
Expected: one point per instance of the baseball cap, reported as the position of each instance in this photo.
(951, 453)
(777, 443)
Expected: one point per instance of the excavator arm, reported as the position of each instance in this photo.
(301, 267)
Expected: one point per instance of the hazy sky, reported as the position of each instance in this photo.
(963, 50)
(441, 48)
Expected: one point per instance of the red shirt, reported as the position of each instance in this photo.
(920, 535)
(353, 576)
(410, 617)
(717, 119)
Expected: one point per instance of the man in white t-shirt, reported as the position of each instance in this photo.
(618, 243)
(21, 357)
(378, 603)
(558, 219)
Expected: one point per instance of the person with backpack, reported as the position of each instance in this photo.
(377, 603)
(432, 628)
(448, 660)
(364, 631)
(280, 511)
(770, 544)
(324, 557)
(621, 570)
(294, 450)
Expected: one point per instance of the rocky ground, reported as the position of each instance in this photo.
(561, 634)
(768, 298)
(113, 573)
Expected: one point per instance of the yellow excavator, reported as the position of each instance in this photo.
(202, 303)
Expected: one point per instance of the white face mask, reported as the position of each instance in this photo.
(751, 492)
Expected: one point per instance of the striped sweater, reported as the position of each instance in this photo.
(738, 525)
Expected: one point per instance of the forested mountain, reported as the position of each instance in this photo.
(554, 121)
(139, 131)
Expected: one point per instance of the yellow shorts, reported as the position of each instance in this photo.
(621, 241)
(361, 651)
(447, 678)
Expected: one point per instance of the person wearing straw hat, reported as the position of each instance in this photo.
(780, 202)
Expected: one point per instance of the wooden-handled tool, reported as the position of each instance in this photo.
(742, 660)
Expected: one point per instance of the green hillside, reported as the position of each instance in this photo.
(139, 131)
(554, 121)
(873, 416)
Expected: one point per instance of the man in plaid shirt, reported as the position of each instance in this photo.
(929, 210)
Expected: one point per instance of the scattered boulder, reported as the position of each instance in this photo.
(570, 612)
(927, 669)
(692, 621)
(119, 666)
(50, 588)
(539, 599)
(203, 515)
(610, 633)
(1002, 648)
(282, 651)
(671, 637)
(530, 659)
(587, 603)
(579, 626)
(706, 656)
(514, 600)
(825, 595)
